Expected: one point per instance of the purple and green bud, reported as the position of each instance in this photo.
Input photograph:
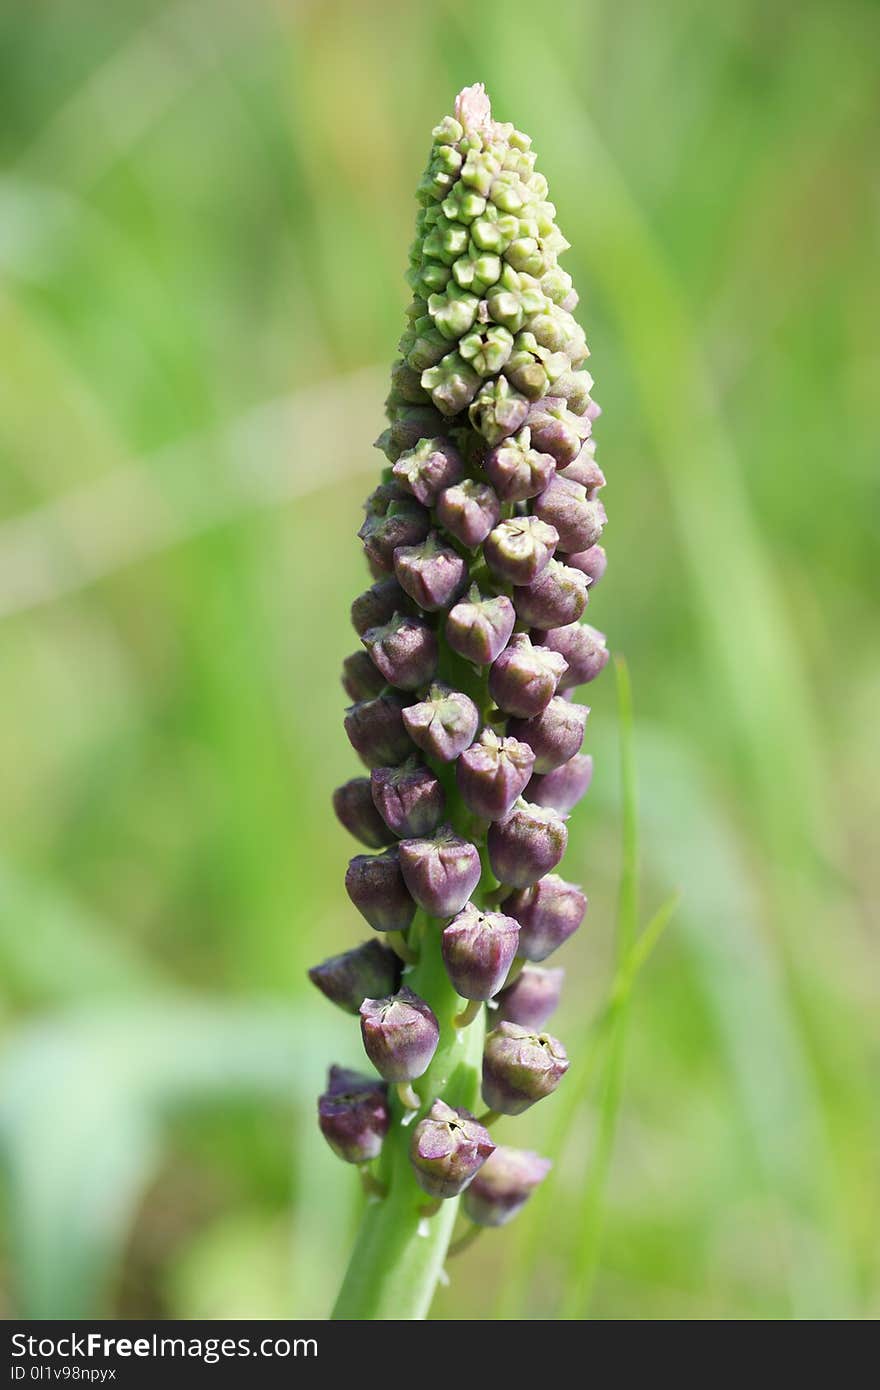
(367, 971)
(526, 845)
(408, 426)
(452, 384)
(448, 1148)
(558, 595)
(377, 605)
(583, 648)
(516, 470)
(400, 1034)
(424, 471)
(493, 773)
(404, 524)
(498, 410)
(565, 505)
(376, 730)
(503, 1185)
(443, 724)
(554, 735)
(548, 913)
(433, 574)
(592, 562)
(356, 811)
(565, 786)
(585, 470)
(404, 650)
(353, 1115)
(557, 430)
(524, 678)
(532, 998)
(409, 798)
(376, 886)
(479, 628)
(478, 951)
(440, 873)
(468, 511)
(361, 678)
(520, 1067)
(516, 551)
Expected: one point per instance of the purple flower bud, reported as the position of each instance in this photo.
(557, 431)
(518, 471)
(592, 562)
(353, 1115)
(554, 735)
(479, 628)
(410, 424)
(433, 574)
(366, 972)
(433, 464)
(404, 524)
(376, 886)
(400, 1034)
(565, 505)
(548, 913)
(503, 1185)
(353, 804)
(447, 1149)
(517, 550)
(557, 596)
(527, 845)
(383, 498)
(585, 470)
(520, 1067)
(441, 872)
(361, 680)
(377, 605)
(524, 678)
(583, 648)
(409, 798)
(404, 650)
(468, 511)
(376, 729)
(478, 951)
(532, 997)
(493, 773)
(564, 786)
(444, 723)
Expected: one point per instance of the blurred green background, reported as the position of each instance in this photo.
(205, 209)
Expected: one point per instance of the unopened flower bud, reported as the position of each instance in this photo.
(565, 505)
(366, 972)
(557, 431)
(468, 511)
(493, 773)
(498, 410)
(409, 798)
(427, 469)
(524, 678)
(479, 628)
(532, 998)
(361, 678)
(444, 723)
(353, 1115)
(516, 470)
(377, 605)
(574, 388)
(355, 809)
(400, 1034)
(503, 1185)
(585, 470)
(558, 595)
(404, 650)
(592, 562)
(583, 648)
(433, 574)
(447, 1149)
(404, 524)
(527, 845)
(376, 729)
(548, 913)
(520, 1067)
(376, 886)
(564, 787)
(478, 950)
(518, 550)
(410, 424)
(441, 872)
(554, 735)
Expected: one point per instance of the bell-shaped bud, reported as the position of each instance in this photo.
(361, 679)
(404, 524)
(366, 972)
(554, 735)
(448, 1147)
(583, 648)
(493, 773)
(548, 913)
(409, 798)
(592, 562)
(441, 872)
(400, 1034)
(564, 787)
(479, 628)
(355, 809)
(444, 723)
(520, 1067)
(498, 410)
(404, 650)
(427, 469)
(565, 505)
(524, 678)
(503, 1185)
(376, 730)
(377, 605)
(558, 595)
(585, 470)
(532, 998)
(468, 511)
(519, 549)
(433, 574)
(516, 470)
(478, 950)
(410, 424)
(376, 886)
(557, 431)
(384, 497)
(353, 1115)
(527, 845)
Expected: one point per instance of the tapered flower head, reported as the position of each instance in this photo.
(532, 998)
(527, 845)
(428, 468)
(400, 1034)
(354, 806)
(478, 951)
(444, 723)
(564, 504)
(353, 1115)
(563, 788)
(554, 735)
(366, 972)
(503, 1186)
(376, 729)
(524, 678)
(548, 913)
(557, 595)
(432, 573)
(583, 648)
(493, 773)
(447, 1149)
(479, 628)
(409, 798)
(441, 872)
(468, 511)
(516, 551)
(376, 886)
(404, 650)
(520, 1067)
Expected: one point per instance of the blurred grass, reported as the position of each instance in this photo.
(204, 216)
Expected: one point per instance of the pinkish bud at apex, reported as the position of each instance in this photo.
(468, 511)
(516, 470)
(592, 562)
(377, 605)
(361, 678)
(376, 730)
(353, 1115)
(518, 550)
(428, 468)
(558, 595)
(583, 648)
(565, 505)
